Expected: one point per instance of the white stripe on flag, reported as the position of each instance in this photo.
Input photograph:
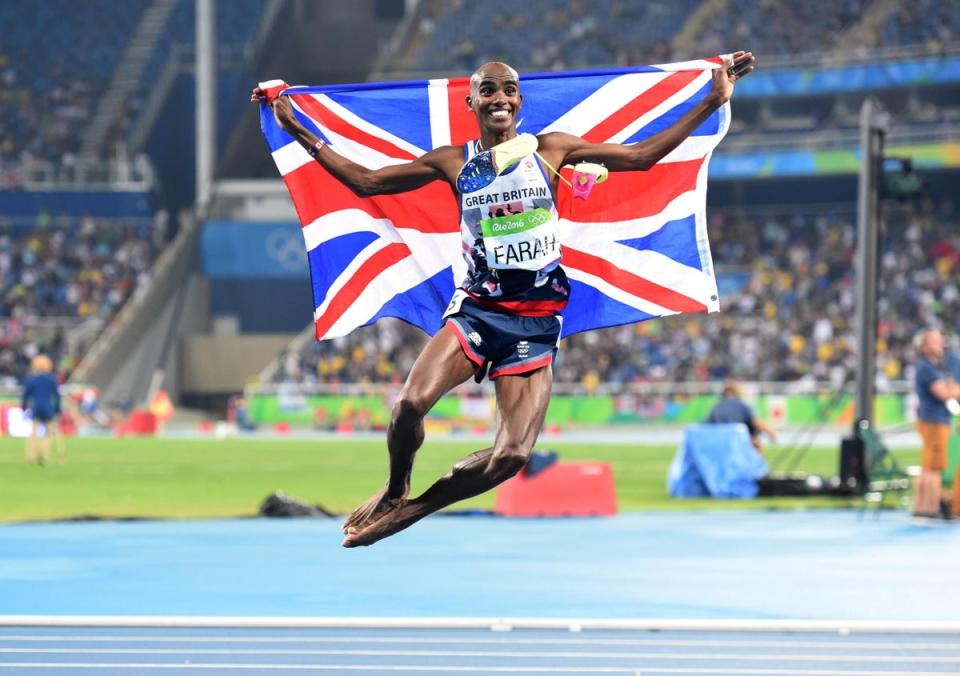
(612, 96)
(348, 274)
(595, 236)
(346, 222)
(694, 147)
(439, 113)
(698, 64)
(361, 124)
(354, 151)
(703, 241)
(665, 105)
(662, 270)
(398, 278)
(615, 292)
(291, 157)
(435, 251)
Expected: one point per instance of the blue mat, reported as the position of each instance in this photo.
(783, 565)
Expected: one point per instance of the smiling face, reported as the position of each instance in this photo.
(495, 97)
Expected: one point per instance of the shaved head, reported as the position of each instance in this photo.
(930, 343)
(495, 70)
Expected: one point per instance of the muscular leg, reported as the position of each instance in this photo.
(440, 367)
(521, 407)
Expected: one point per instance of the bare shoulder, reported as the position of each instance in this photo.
(444, 154)
(558, 141)
(446, 159)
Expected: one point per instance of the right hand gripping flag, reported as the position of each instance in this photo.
(636, 249)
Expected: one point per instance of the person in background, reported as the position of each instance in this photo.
(936, 389)
(953, 366)
(732, 409)
(41, 397)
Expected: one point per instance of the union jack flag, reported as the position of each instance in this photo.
(636, 249)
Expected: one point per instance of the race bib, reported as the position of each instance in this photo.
(523, 241)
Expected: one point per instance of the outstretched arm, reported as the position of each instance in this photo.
(764, 428)
(361, 180)
(644, 154)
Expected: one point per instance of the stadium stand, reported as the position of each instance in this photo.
(541, 35)
(767, 258)
(62, 268)
(58, 274)
(780, 29)
(44, 103)
(788, 314)
(925, 22)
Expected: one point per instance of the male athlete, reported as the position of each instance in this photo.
(505, 317)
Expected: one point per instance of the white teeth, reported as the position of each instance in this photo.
(500, 113)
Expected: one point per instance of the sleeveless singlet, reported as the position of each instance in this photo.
(511, 244)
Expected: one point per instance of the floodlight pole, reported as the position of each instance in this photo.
(873, 123)
(205, 82)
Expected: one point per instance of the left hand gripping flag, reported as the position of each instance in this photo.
(636, 249)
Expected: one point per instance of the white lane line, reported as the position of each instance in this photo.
(689, 656)
(456, 668)
(496, 624)
(838, 644)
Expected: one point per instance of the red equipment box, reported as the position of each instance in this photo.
(562, 489)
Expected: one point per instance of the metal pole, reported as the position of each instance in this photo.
(872, 128)
(205, 81)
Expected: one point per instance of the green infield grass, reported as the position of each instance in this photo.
(181, 478)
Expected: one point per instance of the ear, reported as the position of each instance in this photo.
(469, 103)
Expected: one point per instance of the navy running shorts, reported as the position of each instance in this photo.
(43, 413)
(506, 344)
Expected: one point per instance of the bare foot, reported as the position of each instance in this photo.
(404, 514)
(375, 507)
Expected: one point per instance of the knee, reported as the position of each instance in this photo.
(509, 459)
(408, 410)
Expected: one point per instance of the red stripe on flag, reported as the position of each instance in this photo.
(463, 121)
(317, 193)
(629, 195)
(641, 105)
(374, 266)
(715, 59)
(629, 282)
(320, 113)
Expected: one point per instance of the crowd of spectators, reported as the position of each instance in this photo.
(59, 273)
(793, 317)
(57, 59)
(789, 313)
(778, 29)
(930, 23)
(542, 35)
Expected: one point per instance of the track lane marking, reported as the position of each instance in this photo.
(455, 668)
(837, 644)
(739, 657)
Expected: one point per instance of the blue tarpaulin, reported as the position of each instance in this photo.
(716, 460)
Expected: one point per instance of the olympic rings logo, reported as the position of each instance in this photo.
(286, 249)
